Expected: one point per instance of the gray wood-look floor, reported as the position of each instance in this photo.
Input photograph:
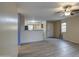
(49, 48)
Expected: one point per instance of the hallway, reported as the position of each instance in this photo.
(49, 48)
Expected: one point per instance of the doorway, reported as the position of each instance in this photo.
(54, 29)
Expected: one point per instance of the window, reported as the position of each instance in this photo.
(30, 27)
(63, 27)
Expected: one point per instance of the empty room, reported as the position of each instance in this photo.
(39, 29)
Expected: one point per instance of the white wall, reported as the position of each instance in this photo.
(49, 29)
(32, 36)
(8, 29)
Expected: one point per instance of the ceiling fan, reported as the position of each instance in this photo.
(68, 10)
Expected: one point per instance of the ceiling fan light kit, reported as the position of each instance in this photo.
(67, 13)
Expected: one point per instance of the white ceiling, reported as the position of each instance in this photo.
(41, 10)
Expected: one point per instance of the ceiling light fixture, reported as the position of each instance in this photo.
(67, 12)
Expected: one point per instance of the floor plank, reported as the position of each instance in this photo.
(49, 48)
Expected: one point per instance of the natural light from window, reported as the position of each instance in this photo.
(63, 27)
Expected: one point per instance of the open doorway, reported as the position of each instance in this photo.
(54, 29)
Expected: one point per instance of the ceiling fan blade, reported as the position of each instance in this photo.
(62, 14)
(72, 13)
(59, 12)
(75, 10)
(75, 13)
